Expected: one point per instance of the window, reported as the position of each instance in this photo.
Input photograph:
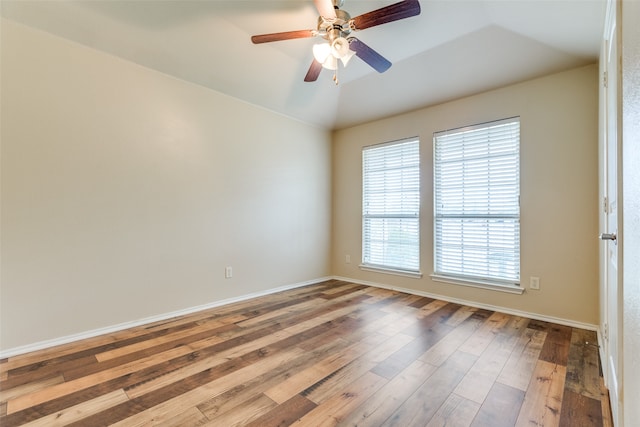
(477, 203)
(391, 206)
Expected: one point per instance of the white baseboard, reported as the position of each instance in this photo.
(506, 310)
(165, 316)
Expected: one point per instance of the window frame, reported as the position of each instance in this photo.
(410, 217)
(461, 212)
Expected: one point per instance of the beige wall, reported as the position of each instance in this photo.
(126, 192)
(559, 192)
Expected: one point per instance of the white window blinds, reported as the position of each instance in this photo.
(391, 206)
(477, 208)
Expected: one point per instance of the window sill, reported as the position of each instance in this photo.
(385, 270)
(492, 286)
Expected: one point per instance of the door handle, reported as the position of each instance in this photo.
(608, 236)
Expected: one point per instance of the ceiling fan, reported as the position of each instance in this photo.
(335, 26)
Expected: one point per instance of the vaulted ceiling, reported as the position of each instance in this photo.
(454, 48)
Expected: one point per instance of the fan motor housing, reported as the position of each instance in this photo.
(335, 28)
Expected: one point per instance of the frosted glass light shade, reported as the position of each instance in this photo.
(321, 51)
(347, 56)
(328, 54)
(339, 47)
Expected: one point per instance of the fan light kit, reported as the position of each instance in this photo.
(335, 26)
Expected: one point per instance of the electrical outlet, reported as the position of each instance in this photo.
(347, 259)
(228, 272)
(534, 283)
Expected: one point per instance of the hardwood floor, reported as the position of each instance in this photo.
(334, 353)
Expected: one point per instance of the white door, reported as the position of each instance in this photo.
(610, 236)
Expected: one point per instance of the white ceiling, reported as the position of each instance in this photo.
(453, 49)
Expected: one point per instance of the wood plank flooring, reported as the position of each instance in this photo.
(329, 354)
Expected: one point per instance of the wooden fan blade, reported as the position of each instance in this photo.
(394, 12)
(368, 55)
(314, 72)
(325, 8)
(287, 35)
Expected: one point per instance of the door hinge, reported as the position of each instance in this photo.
(605, 331)
(605, 79)
(605, 205)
